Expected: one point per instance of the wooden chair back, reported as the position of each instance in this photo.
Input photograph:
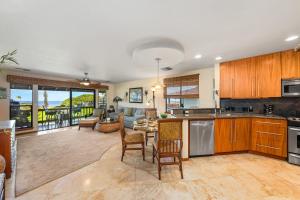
(122, 125)
(169, 138)
(151, 113)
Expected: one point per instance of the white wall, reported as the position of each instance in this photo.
(217, 83)
(206, 79)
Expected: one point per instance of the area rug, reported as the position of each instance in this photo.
(44, 158)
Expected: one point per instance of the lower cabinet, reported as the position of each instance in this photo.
(232, 134)
(269, 136)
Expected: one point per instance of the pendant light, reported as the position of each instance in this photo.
(158, 84)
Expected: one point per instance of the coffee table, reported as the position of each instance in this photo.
(109, 126)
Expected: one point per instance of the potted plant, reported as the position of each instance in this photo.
(116, 100)
(163, 115)
(9, 57)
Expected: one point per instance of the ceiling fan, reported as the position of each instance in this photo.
(85, 81)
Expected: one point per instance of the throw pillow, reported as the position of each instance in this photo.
(139, 111)
(128, 111)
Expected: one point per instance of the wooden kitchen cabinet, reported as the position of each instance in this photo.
(223, 135)
(244, 79)
(255, 77)
(290, 64)
(226, 79)
(269, 136)
(241, 136)
(232, 134)
(268, 75)
(8, 145)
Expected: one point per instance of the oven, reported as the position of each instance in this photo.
(294, 145)
(290, 88)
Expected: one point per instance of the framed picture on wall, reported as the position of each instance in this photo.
(3, 94)
(136, 95)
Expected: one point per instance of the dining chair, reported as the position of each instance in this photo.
(151, 115)
(168, 144)
(132, 139)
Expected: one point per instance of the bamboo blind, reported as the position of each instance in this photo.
(185, 86)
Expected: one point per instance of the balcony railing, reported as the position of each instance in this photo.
(59, 117)
(22, 114)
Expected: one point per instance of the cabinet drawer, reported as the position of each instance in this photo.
(269, 136)
(269, 122)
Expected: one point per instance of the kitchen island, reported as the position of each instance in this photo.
(241, 132)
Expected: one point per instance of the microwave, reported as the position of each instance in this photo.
(291, 88)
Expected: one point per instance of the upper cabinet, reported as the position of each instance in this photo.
(290, 64)
(268, 75)
(244, 79)
(256, 77)
(226, 79)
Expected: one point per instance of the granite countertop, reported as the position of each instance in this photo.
(9, 124)
(227, 115)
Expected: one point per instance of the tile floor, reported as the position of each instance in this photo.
(238, 176)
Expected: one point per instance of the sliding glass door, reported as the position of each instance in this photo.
(21, 105)
(82, 104)
(53, 107)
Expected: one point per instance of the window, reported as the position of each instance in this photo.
(53, 107)
(102, 99)
(182, 92)
(21, 105)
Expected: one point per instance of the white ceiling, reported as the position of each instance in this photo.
(70, 37)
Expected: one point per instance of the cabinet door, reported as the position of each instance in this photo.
(268, 75)
(226, 79)
(223, 135)
(269, 136)
(244, 79)
(241, 136)
(290, 64)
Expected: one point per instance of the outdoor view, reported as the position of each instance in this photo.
(55, 109)
(21, 107)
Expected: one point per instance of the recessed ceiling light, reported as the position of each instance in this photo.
(198, 56)
(291, 38)
(218, 58)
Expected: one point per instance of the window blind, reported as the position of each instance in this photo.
(182, 87)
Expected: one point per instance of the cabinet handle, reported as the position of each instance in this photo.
(231, 135)
(234, 134)
(267, 146)
(271, 123)
(258, 89)
(252, 86)
(232, 87)
(270, 133)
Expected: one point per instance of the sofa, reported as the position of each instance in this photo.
(130, 115)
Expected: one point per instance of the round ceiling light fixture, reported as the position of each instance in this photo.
(198, 56)
(169, 51)
(291, 38)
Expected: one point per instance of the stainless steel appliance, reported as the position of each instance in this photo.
(201, 137)
(294, 140)
(290, 88)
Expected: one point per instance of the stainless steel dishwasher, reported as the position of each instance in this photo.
(201, 137)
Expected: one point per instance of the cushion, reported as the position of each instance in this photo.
(91, 120)
(135, 137)
(128, 111)
(139, 111)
